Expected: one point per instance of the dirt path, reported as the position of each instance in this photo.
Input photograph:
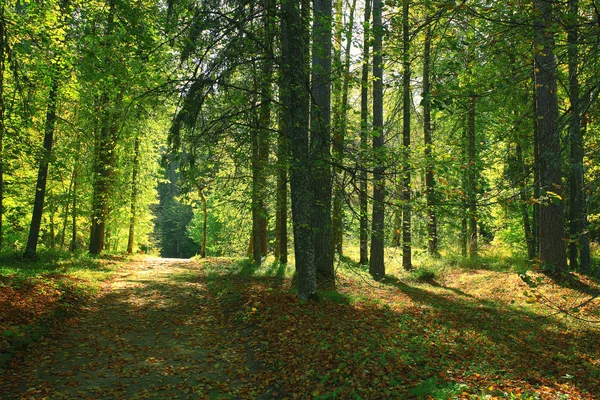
(157, 331)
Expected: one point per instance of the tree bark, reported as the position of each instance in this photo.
(432, 239)
(40, 187)
(204, 221)
(67, 205)
(3, 47)
(406, 168)
(296, 100)
(377, 262)
(340, 129)
(281, 212)
(105, 157)
(552, 232)
(527, 229)
(579, 241)
(134, 194)
(320, 132)
(472, 178)
(364, 134)
(73, 245)
(535, 219)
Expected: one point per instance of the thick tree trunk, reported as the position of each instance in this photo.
(134, 194)
(320, 132)
(552, 232)
(406, 188)
(377, 262)
(432, 239)
(104, 169)
(364, 134)
(106, 144)
(296, 100)
(40, 187)
(579, 241)
(472, 178)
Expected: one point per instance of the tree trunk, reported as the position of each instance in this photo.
(134, 194)
(552, 232)
(296, 100)
(3, 47)
(66, 214)
(579, 242)
(524, 207)
(377, 262)
(432, 239)
(472, 178)
(281, 239)
(464, 234)
(340, 128)
(337, 77)
(204, 221)
(320, 133)
(73, 246)
(364, 134)
(105, 157)
(535, 220)
(104, 170)
(406, 188)
(40, 187)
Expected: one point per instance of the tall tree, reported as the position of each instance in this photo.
(364, 136)
(320, 132)
(134, 193)
(106, 142)
(579, 243)
(432, 239)
(296, 102)
(552, 232)
(406, 167)
(281, 209)
(472, 176)
(377, 262)
(40, 187)
(3, 51)
(340, 124)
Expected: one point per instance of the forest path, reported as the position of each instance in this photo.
(156, 331)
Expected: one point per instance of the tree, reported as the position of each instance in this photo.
(134, 193)
(579, 242)
(552, 233)
(406, 168)
(296, 102)
(364, 134)
(432, 239)
(377, 263)
(3, 50)
(320, 135)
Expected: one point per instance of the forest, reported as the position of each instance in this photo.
(377, 199)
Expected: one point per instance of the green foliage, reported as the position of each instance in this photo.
(423, 274)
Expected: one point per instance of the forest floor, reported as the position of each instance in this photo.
(221, 329)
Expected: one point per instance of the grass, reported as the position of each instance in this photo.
(36, 295)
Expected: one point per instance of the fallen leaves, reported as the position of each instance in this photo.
(171, 329)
